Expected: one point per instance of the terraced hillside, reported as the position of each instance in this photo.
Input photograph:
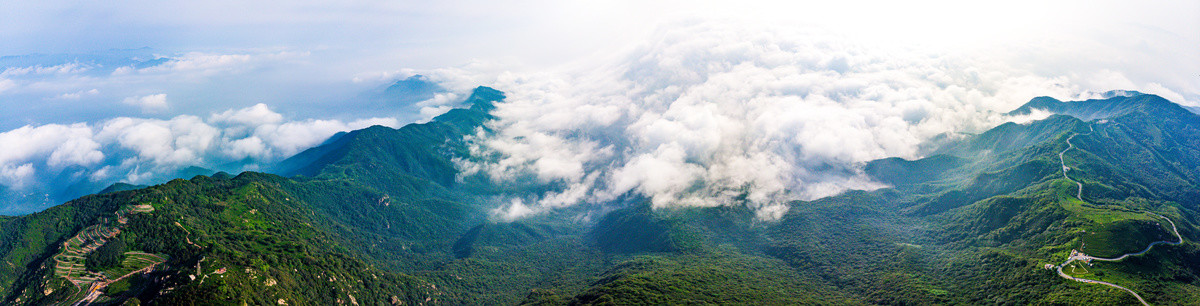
(70, 263)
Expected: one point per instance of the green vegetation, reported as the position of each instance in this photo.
(382, 216)
(714, 279)
(106, 256)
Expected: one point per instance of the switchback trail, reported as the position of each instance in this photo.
(94, 291)
(1076, 255)
(188, 237)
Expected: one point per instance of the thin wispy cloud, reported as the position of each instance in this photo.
(150, 103)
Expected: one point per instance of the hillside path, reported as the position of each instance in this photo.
(1076, 255)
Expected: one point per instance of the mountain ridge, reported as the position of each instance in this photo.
(379, 216)
(1111, 105)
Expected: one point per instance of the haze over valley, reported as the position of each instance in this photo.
(600, 153)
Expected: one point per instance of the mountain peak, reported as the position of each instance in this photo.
(409, 148)
(412, 89)
(1120, 93)
(1114, 103)
(1042, 102)
(483, 98)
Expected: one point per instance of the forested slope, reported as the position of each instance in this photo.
(383, 216)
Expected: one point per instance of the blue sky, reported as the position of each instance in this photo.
(133, 90)
(301, 56)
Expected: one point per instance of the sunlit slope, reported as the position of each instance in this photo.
(382, 216)
(1134, 158)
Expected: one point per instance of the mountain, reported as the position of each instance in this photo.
(117, 187)
(1133, 156)
(51, 185)
(260, 229)
(383, 216)
(69, 183)
(235, 240)
(403, 98)
(1118, 103)
(413, 89)
(411, 150)
(1141, 144)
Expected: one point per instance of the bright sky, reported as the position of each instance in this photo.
(344, 39)
(422, 34)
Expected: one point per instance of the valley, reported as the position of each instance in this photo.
(384, 216)
(1080, 256)
(579, 153)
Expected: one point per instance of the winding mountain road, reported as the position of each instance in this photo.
(1076, 255)
(96, 289)
(1084, 280)
(1152, 244)
(1079, 194)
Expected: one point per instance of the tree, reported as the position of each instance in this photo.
(106, 256)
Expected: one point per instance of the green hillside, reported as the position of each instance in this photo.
(382, 216)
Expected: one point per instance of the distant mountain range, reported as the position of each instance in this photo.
(52, 185)
(383, 216)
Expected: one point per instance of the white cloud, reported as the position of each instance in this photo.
(150, 103)
(6, 84)
(292, 137)
(178, 142)
(140, 150)
(1167, 93)
(16, 175)
(253, 116)
(516, 209)
(59, 145)
(100, 175)
(439, 104)
(202, 63)
(246, 147)
(259, 132)
(78, 94)
(17, 71)
(709, 113)
(801, 109)
(77, 149)
(194, 65)
(289, 138)
(67, 68)
(1033, 115)
(364, 123)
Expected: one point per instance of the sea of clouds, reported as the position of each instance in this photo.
(708, 114)
(701, 113)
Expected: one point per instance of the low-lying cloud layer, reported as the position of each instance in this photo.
(144, 151)
(707, 114)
